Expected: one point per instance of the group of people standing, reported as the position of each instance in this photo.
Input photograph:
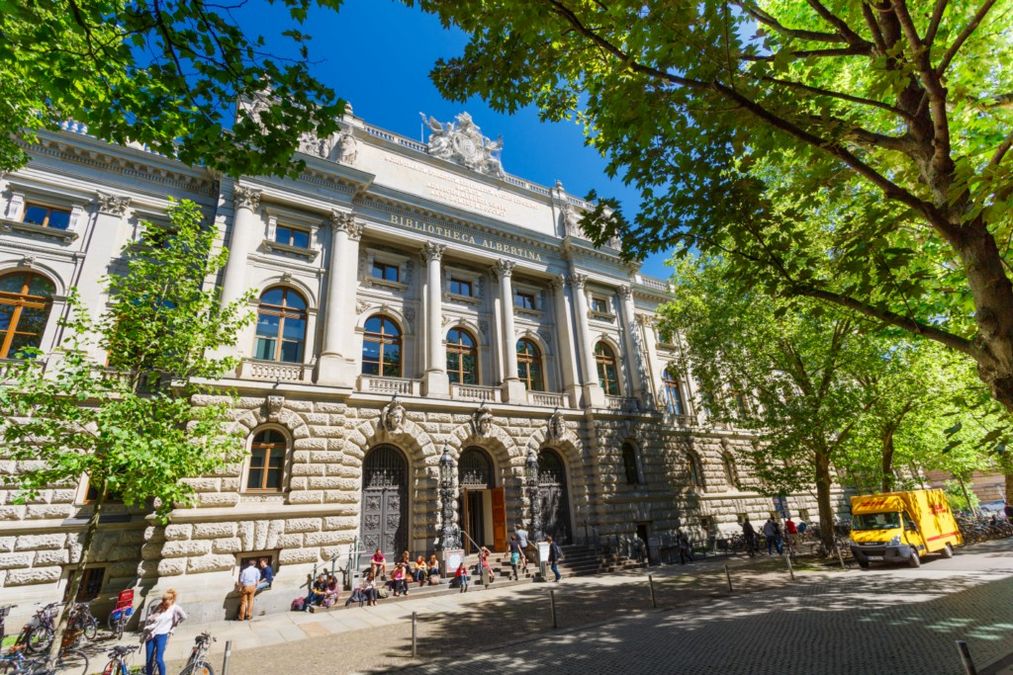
(773, 534)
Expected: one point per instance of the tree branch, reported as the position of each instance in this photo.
(850, 36)
(962, 38)
(836, 94)
(950, 340)
(937, 17)
(767, 20)
(873, 24)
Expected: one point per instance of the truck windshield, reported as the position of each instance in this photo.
(875, 521)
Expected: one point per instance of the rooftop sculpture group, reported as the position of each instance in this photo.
(462, 142)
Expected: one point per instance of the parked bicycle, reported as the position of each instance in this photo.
(198, 663)
(118, 661)
(38, 633)
(122, 611)
(81, 619)
(19, 661)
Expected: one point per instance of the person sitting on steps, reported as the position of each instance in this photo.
(433, 570)
(378, 565)
(399, 581)
(419, 573)
(462, 577)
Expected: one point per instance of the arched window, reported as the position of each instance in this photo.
(25, 301)
(381, 347)
(462, 357)
(672, 394)
(474, 470)
(608, 372)
(267, 461)
(281, 325)
(529, 365)
(731, 474)
(631, 465)
(695, 469)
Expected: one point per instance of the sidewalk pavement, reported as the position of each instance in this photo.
(287, 627)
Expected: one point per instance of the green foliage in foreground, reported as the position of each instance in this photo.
(130, 424)
(165, 73)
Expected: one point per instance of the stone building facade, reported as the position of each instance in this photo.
(415, 304)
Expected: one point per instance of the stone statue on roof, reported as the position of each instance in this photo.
(462, 142)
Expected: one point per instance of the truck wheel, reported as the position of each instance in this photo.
(948, 551)
(914, 560)
(864, 564)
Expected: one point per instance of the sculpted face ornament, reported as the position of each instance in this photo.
(481, 421)
(274, 404)
(392, 416)
(557, 425)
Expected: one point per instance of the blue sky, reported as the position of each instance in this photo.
(377, 54)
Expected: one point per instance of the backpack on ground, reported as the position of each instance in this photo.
(299, 604)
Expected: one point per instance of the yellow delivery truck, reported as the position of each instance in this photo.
(897, 527)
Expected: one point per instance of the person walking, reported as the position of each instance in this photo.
(162, 619)
(790, 534)
(266, 575)
(515, 555)
(555, 555)
(522, 542)
(685, 550)
(248, 580)
(770, 534)
(749, 534)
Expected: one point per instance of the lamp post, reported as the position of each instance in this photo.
(534, 495)
(450, 538)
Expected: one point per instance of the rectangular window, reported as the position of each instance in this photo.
(385, 271)
(599, 306)
(461, 287)
(292, 236)
(47, 216)
(91, 584)
(524, 300)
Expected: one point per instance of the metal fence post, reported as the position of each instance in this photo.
(728, 576)
(415, 616)
(650, 582)
(790, 570)
(965, 658)
(552, 606)
(841, 558)
(225, 659)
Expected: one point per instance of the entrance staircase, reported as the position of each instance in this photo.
(578, 561)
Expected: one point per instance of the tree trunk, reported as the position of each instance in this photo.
(888, 458)
(967, 497)
(826, 511)
(74, 583)
(993, 303)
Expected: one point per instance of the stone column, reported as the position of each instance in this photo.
(564, 335)
(656, 367)
(244, 235)
(336, 365)
(635, 359)
(514, 390)
(436, 381)
(594, 396)
(104, 244)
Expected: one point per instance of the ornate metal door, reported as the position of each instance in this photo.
(555, 500)
(384, 502)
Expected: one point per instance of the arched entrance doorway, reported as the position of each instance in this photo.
(384, 502)
(482, 505)
(555, 500)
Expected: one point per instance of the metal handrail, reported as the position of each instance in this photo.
(474, 543)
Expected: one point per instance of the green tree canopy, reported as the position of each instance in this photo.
(853, 151)
(165, 73)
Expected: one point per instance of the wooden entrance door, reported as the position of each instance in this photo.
(555, 500)
(499, 519)
(384, 502)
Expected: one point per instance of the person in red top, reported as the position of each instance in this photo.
(378, 565)
(462, 577)
(790, 532)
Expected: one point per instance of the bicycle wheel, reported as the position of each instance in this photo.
(72, 661)
(199, 668)
(89, 627)
(39, 639)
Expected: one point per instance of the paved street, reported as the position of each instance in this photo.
(885, 620)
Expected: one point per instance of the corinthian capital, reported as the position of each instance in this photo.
(245, 197)
(645, 320)
(342, 221)
(578, 280)
(626, 292)
(504, 268)
(433, 251)
(114, 205)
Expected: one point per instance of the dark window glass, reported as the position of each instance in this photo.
(25, 301)
(599, 305)
(462, 357)
(385, 271)
(460, 287)
(529, 365)
(292, 236)
(91, 584)
(524, 300)
(281, 326)
(46, 216)
(267, 461)
(630, 464)
(381, 347)
(672, 394)
(608, 371)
